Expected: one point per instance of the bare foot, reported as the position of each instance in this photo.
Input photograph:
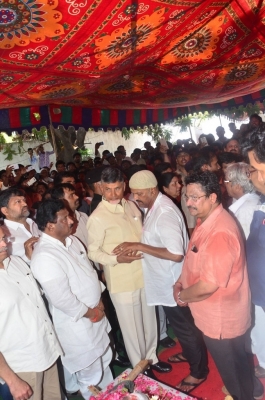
(189, 383)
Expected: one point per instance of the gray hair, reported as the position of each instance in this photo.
(237, 174)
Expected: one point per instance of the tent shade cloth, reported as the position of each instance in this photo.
(28, 117)
(124, 55)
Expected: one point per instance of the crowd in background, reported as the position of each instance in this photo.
(102, 203)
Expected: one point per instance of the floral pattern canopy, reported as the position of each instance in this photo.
(137, 54)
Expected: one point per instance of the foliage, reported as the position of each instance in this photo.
(155, 131)
(86, 153)
(41, 135)
(192, 120)
(9, 152)
(2, 139)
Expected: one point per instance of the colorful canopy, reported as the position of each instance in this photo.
(121, 54)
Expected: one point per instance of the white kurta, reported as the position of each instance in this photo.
(163, 227)
(28, 340)
(20, 235)
(243, 209)
(71, 286)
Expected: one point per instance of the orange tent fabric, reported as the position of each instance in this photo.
(138, 54)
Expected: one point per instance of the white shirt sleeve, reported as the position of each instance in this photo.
(96, 236)
(170, 229)
(55, 284)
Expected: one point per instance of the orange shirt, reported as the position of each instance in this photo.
(219, 258)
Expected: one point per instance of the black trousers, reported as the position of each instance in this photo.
(190, 339)
(233, 365)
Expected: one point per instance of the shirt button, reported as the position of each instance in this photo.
(28, 294)
(38, 307)
(50, 333)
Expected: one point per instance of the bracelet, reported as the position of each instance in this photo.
(96, 315)
(179, 299)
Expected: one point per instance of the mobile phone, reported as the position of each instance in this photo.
(163, 143)
(203, 141)
(15, 166)
(101, 143)
(31, 181)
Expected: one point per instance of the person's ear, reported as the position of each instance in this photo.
(165, 189)
(50, 226)
(213, 198)
(204, 167)
(4, 211)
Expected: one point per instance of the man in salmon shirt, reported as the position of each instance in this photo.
(214, 284)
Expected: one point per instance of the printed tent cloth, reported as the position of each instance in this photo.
(138, 54)
(37, 116)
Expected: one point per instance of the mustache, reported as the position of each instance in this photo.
(3, 249)
(192, 208)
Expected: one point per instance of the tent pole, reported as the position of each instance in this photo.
(52, 134)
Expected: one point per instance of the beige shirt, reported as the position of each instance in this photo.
(108, 226)
(81, 231)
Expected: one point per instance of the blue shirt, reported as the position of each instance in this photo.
(255, 247)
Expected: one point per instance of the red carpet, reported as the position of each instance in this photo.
(211, 389)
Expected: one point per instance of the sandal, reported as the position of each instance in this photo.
(177, 360)
(192, 386)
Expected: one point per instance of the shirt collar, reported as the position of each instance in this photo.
(156, 202)
(238, 203)
(209, 222)
(115, 208)
(16, 225)
(68, 240)
(6, 262)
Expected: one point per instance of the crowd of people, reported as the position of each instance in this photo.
(97, 256)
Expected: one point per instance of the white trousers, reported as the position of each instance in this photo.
(258, 335)
(138, 325)
(162, 323)
(97, 374)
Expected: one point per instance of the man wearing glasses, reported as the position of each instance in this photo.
(214, 284)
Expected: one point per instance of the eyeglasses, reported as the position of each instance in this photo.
(7, 239)
(193, 198)
(249, 172)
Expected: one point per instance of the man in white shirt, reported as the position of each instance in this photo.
(66, 191)
(29, 345)
(60, 264)
(21, 229)
(164, 243)
(242, 190)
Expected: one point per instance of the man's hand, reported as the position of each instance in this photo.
(20, 389)
(29, 246)
(127, 259)
(95, 314)
(163, 149)
(127, 248)
(9, 170)
(177, 289)
(101, 305)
